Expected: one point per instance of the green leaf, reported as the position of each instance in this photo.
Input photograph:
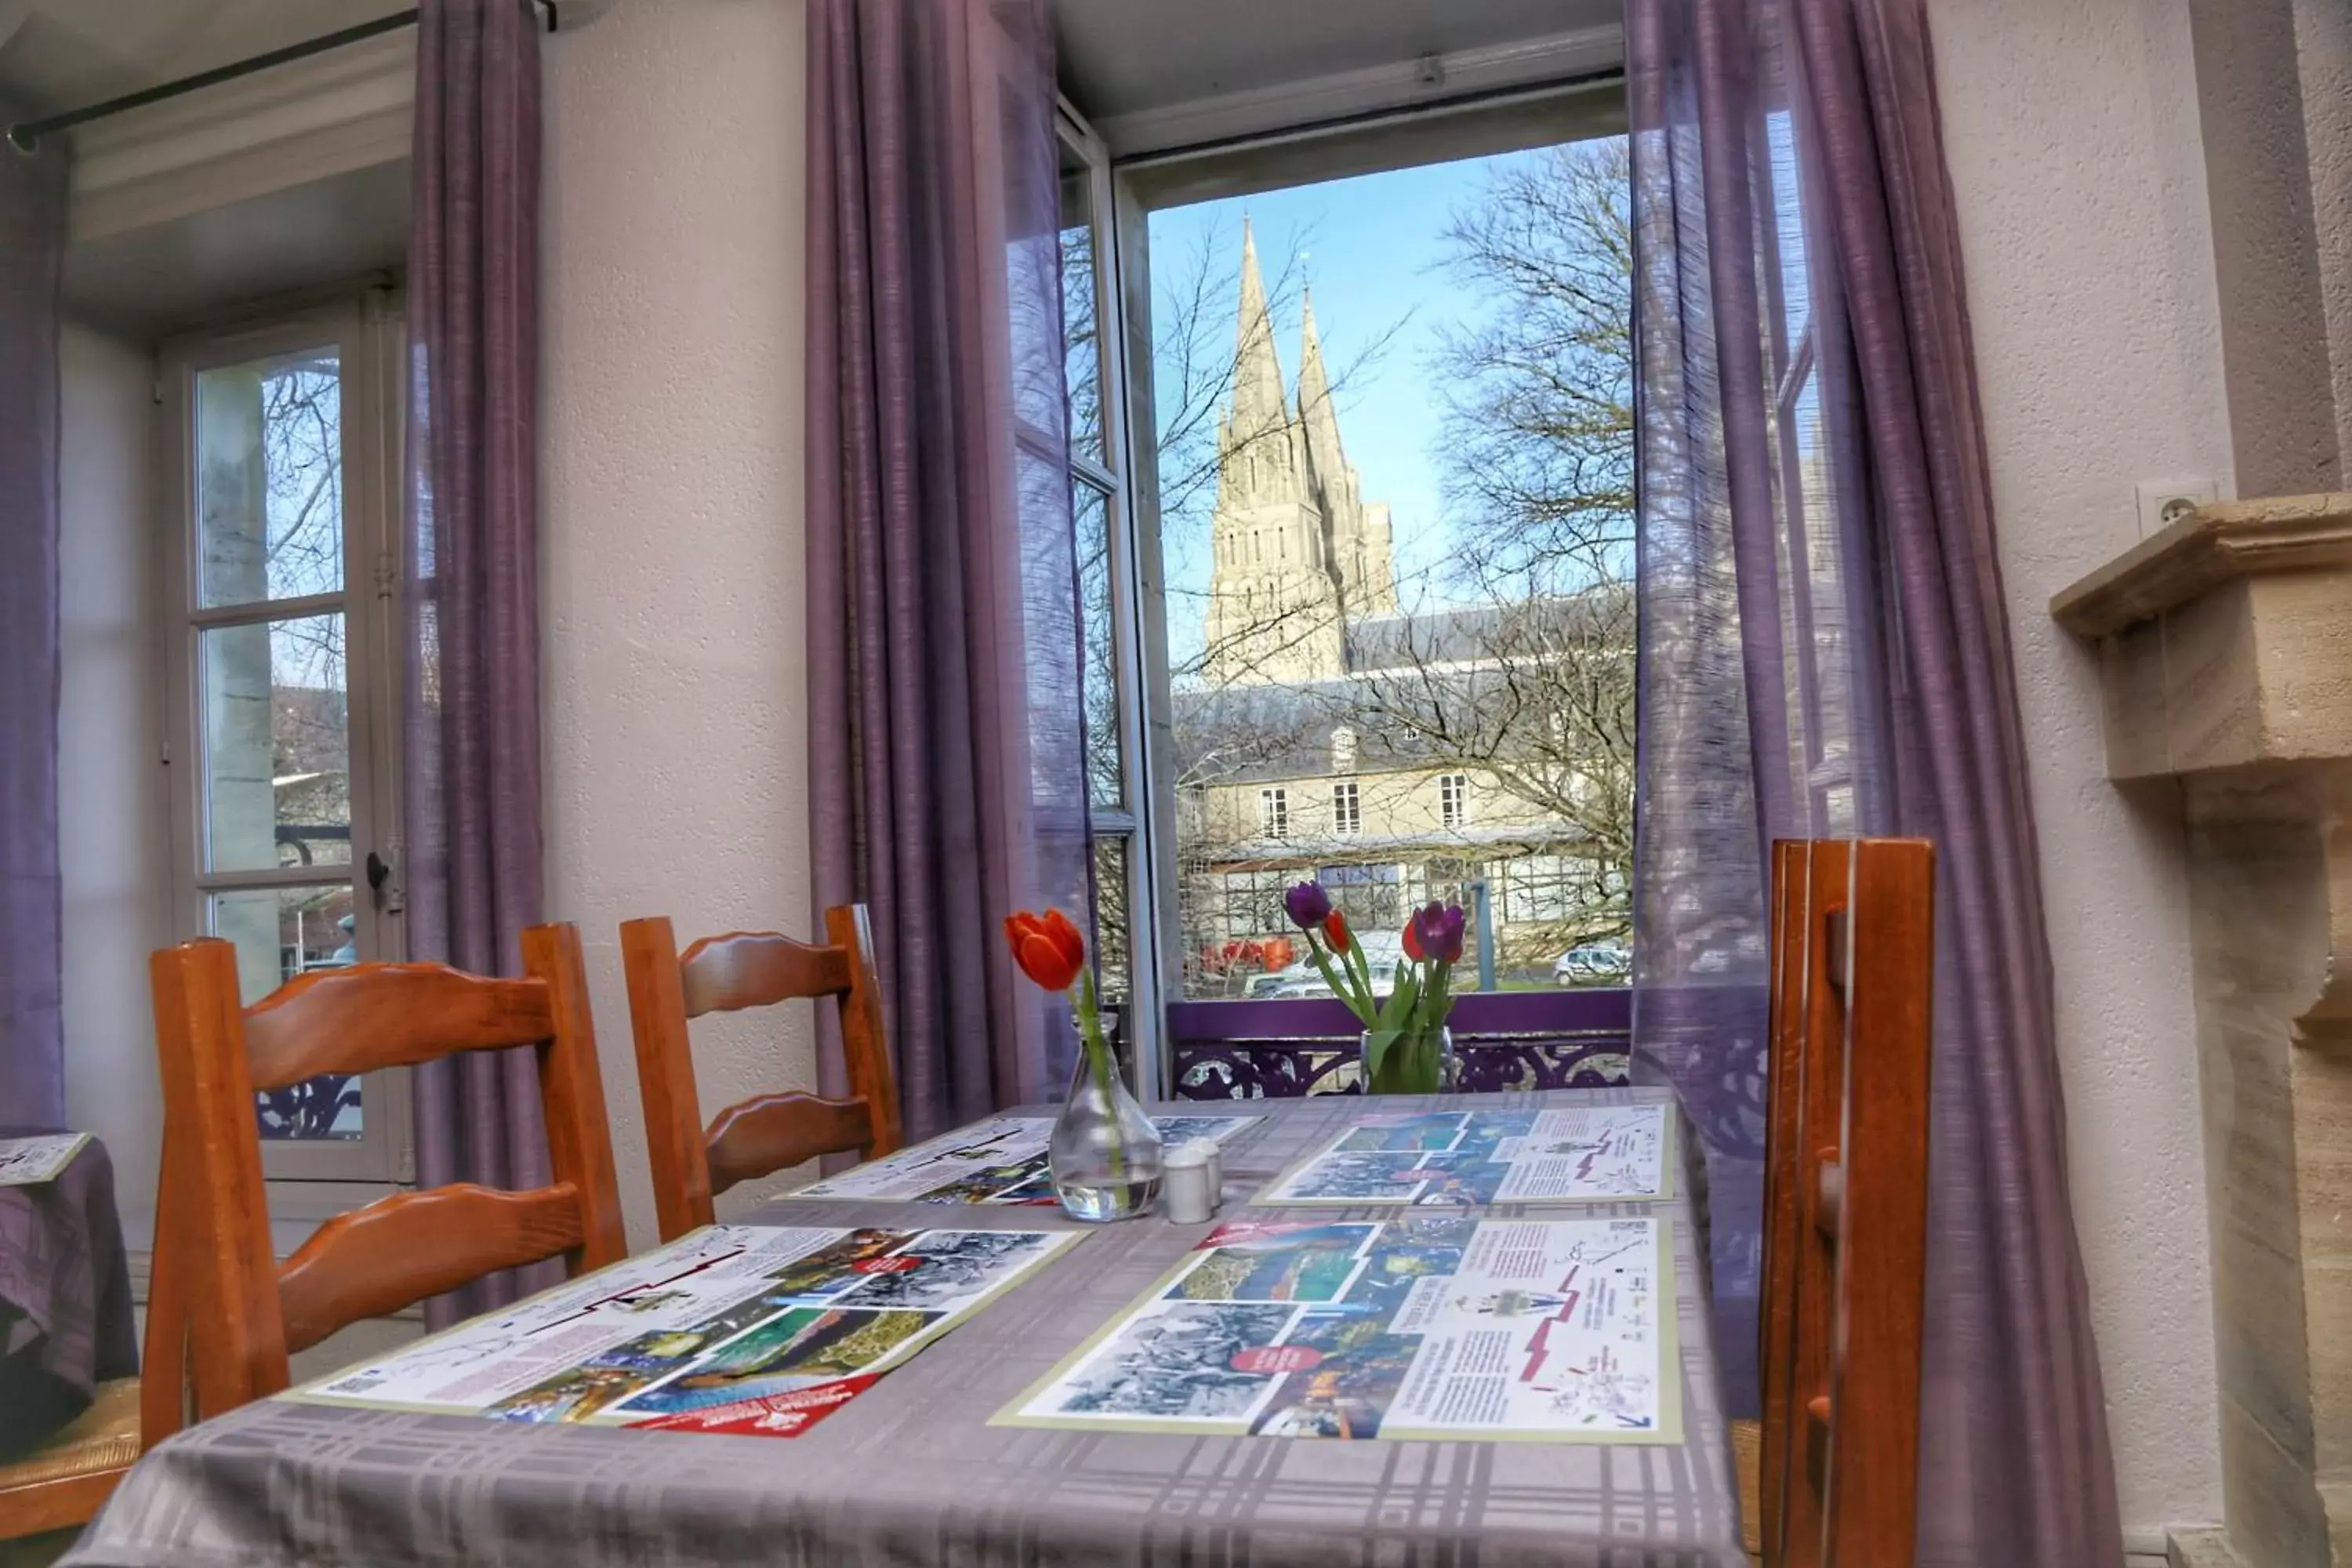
(1401, 1001)
(1376, 1046)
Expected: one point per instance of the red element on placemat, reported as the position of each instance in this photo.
(775, 1415)
(1277, 1358)
(886, 1265)
(1243, 1230)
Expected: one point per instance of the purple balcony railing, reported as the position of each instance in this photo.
(1506, 1040)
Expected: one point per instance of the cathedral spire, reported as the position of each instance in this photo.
(1315, 410)
(1258, 403)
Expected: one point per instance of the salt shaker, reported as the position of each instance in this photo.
(1186, 1184)
(1217, 1170)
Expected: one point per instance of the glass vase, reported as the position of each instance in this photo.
(1418, 1063)
(1105, 1152)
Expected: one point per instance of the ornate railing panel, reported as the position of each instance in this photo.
(1515, 1040)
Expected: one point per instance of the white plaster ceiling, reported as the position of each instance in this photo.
(1120, 57)
(63, 54)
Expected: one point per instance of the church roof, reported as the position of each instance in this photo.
(1261, 732)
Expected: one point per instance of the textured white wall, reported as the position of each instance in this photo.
(670, 560)
(112, 813)
(2071, 131)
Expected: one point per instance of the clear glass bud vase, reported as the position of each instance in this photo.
(1420, 1062)
(1105, 1153)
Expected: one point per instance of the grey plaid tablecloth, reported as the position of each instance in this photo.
(65, 1297)
(911, 1473)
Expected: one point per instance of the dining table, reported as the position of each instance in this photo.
(912, 1472)
(65, 1320)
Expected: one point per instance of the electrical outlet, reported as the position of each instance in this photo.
(2163, 502)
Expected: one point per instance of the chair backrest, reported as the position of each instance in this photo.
(1845, 1200)
(246, 1313)
(769, 1132)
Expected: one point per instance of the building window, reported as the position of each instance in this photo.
(1273, 813)
(1343, 749)
(283, 578)
(1347, 817)
(1452, 800)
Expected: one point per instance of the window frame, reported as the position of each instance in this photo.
(1138, 821)
(1452, 800)
(1128, 188)
(1347, 809)
(369, 336)
(1273, 813)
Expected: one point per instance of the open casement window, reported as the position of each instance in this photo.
(1307, 656)
(1110, 602)
(282, 630)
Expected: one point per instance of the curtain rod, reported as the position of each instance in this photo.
(26, 135)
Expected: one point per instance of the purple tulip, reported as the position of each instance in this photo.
(1437, 932)
(1309, 905)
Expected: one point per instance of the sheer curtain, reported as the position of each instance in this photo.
(947, 780)
(32, 1040)
(1824, 652)
(472, 790)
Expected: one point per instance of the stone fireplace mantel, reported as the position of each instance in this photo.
(2225, 664)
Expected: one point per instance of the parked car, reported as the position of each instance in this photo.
(1383, 950)
(1593, 965)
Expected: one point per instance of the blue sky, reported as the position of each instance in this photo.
(1371, 250)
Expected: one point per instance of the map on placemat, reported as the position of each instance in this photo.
(735, 1328)
(1429, 1327)
(1586, 1153)
(998, 1161)
(29, 1161)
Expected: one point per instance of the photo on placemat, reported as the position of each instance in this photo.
(1178, 1363)
(1356, 1368)
(832, 1270)
(1404, 1132)
(1309, 1264)
(944, 1267)
(799, 1349)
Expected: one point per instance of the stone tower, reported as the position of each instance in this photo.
(1298, 552)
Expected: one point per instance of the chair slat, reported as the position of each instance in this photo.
(757, 968)
(386, 1015)
(776, 1131)
(691, 1164)
(377, 1259)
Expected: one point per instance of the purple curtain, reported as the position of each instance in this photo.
(945, 757)
(32, 1039)
(472, 789)
(1824, 653)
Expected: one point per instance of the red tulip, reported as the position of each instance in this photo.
(1047, 947)
(1335, 931)
(1413, 941)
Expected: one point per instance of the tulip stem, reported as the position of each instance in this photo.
(1088, 1003)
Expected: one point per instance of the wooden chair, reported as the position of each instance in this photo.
(1845, 1201)
(246, 1313)
(693, 1164)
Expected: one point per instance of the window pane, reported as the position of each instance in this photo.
(1081, 335)
(269, 480)
(1395, 522)
(276, 778)
(281, 932)
(1105, 780)
(1111, 929)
